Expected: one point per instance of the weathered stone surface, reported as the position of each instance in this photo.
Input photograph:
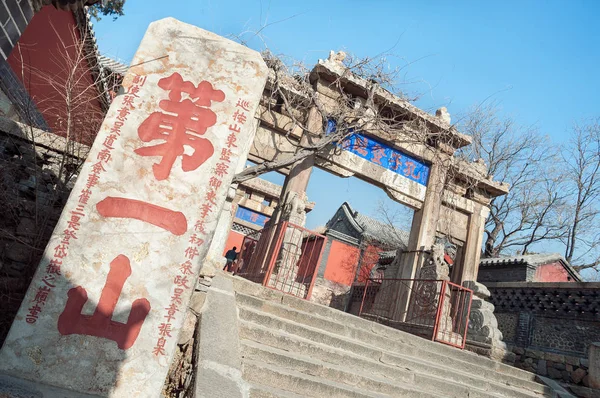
(138, 211)
(519, 351)
(577, 375)
(583, 392)
(594, 367)
(534, 354)
(483, 325)
(529, 361)
(17, 252)
(219, 372)
(26, 227)
(572, 360)
(558, 358)
(188, 328)
(541, 368)
(197, 302)
(554, 373)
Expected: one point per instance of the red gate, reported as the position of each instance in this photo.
(435, 309)
(284, 257)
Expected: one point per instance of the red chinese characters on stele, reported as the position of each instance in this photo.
(184, 120)
(100, 324)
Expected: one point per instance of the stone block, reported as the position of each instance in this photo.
(559, 366)
(554, 373)
(519, 350)
(572, 360)
(583, 392)
(18, 252)
(577, 375)
(528, 361)
(219, 370)
(197, 302)
(188, 328)
(534, 353)
(26, 227)
(586, 380)
(584, 363)
(541, 367)
(594, 368)
(558, 358)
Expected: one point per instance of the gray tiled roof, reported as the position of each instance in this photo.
(382, 232)
(113, 65)
(374, 229)
(533, 260)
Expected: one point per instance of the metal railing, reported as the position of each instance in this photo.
(434, 309)
(283, 257)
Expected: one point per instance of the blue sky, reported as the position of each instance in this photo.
(538, 59)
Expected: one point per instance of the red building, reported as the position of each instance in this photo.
(528, 268)
(355, 243)
(52, 76)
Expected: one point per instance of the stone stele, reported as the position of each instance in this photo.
(103, 313)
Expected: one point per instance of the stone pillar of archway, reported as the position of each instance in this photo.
(292, 209)
(473, 244)
(424, 225)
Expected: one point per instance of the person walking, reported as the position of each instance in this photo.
(230, 256)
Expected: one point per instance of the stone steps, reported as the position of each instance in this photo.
(258, 391)
(377, 362)
(275, 377)
(407, 349)
(399, 386)
(305, 341)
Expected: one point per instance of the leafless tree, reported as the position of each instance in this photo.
(533, 210)
(398, 218)
(39, 168)
(293, 93)
(581, 160)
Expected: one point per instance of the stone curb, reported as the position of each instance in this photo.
(558, 390)
(219, 370)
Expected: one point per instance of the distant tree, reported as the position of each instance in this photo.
(581, 160)
(533, 211)
(77, 96)
(113, 8)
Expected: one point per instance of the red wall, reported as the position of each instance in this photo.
(554, 272)
(45, 57)
(369, 260)
(234, 239)
(341, 263)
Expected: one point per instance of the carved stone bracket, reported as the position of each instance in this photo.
(483, 335)
(435, 267)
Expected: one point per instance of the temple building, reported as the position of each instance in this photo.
(544, 267)
(355, 243)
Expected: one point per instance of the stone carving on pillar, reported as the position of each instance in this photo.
(483, 336)
(293, 209)
(438, 260)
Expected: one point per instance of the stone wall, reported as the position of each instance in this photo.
(549, 326)
(567, 368)
(36, 172)
(518, 273)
